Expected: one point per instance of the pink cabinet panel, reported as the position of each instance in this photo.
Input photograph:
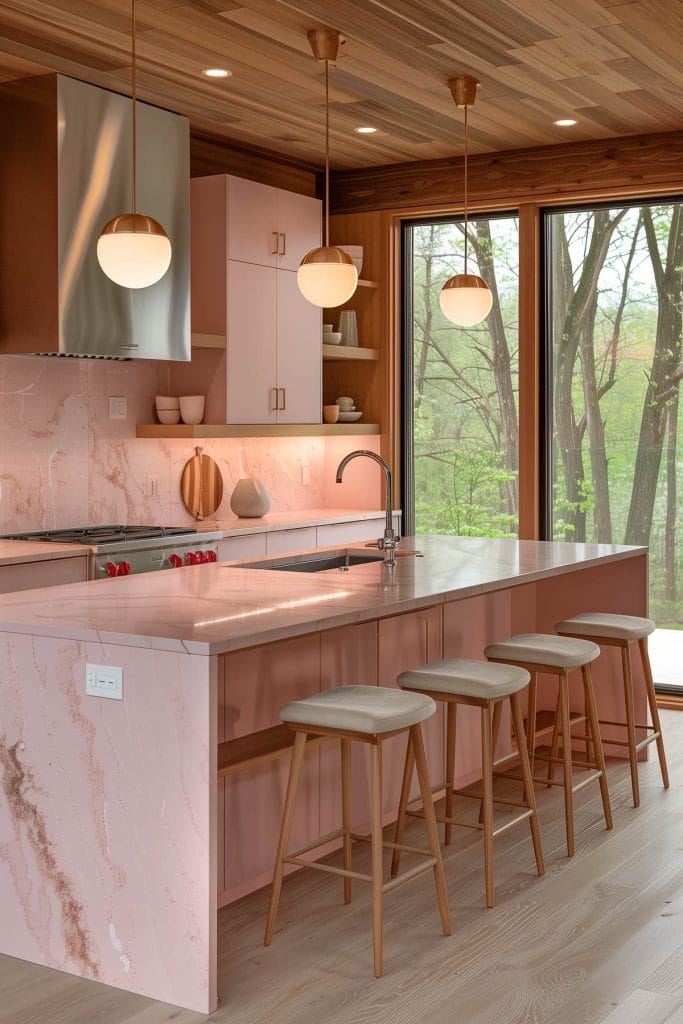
(299, 227)
(280, 542)
(208, 254)
(49, 573)
(299, 353)
(252, 222)
(251, 343)
(252, 545)
(408, 641)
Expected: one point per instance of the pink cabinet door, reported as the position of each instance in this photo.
(251, 343)
(252, 222)
(208, 253)
(408, 641)
(299, 354)
(257, 683)
(299, 220)
(52, 572)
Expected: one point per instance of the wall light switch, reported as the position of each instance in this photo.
(104, 681)
(117, 407)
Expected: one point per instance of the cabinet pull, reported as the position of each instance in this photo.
(282, 407)
(283, 250)
(274, 399)
(274, 250)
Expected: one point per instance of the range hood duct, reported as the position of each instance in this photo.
(65, 171)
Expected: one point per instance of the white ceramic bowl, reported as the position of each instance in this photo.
(327, 328)
(344, 402)
(192, 408)
(349, 417)
(167, 402)
(168, 415)
(332, 338)
(356, 254)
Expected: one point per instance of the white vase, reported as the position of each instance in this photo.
(249, 499)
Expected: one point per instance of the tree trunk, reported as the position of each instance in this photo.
(670, 574)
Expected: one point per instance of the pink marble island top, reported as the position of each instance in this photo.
(18, 552)
(211, 609)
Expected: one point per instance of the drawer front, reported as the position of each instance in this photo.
(280, 541)
(253, 545)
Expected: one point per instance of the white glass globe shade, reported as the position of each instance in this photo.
(465, 300)
(325, 279)
(134, 258)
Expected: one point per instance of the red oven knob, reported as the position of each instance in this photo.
(110, 569)
(123, 569)
(175, 561)
(201, 557)
(211, 556)
(190, 558)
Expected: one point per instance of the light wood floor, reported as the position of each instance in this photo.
(599, 938)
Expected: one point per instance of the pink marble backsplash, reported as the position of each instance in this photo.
(63, 462)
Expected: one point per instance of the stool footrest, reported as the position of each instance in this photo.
(623, 725)
(647, 741)
(388, 845)
(327, 868)
(406, 876)
(320, 841)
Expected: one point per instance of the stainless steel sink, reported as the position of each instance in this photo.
(342, 560)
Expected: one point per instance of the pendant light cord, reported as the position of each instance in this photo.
(466, 108)
(133, 95)
(327, 154)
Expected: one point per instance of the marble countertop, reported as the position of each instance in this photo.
(290, 520)
(18, 552)
(210, 609)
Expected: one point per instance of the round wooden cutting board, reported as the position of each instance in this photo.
(201, 485)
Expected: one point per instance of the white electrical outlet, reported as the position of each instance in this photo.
(104, 681)
(117, 407)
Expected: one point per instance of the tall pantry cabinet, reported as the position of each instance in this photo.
(247, 241)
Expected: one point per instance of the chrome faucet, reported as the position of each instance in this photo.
(388, 542)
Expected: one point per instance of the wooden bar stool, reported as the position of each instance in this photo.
(558, 656)
(367, 714)
(476, 683)
(622, 631)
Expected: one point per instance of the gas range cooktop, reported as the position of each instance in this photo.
(104, 534)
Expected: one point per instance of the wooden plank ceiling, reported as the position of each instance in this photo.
(614, 65)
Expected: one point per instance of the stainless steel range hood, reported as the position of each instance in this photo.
(65, 170)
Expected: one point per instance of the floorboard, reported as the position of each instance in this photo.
(597, 939)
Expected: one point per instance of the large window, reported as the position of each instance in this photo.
(460, 401)
(615, 291)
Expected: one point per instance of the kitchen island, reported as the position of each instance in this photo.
(118, 840)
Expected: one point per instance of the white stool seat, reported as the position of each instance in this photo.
(466, 678)
(613, 627)
(544, 649)
(367, 709)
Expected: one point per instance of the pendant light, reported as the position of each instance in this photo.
(465, 299)
(326, 275)
(133, 249)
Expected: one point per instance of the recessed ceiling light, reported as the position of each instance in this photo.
(565, 122)
(365, 130)
(216, 73)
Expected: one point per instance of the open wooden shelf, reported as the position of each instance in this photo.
(218, 341)
(258, 747)
(367, 284)
(346, 352)
(254, 429)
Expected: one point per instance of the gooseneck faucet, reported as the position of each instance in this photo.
(388, 543)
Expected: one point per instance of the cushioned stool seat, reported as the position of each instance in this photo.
(458, 681)
(614, 630)
(370, 715)
(558, 656)
(368, 709)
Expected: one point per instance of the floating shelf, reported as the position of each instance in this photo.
(218, 341)
(367, 284)
(338, 352)
(254, 429)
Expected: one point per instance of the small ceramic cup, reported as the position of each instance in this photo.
(330, 413)
(192, 408)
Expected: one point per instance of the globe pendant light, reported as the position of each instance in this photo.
(326, 275)
(465, 299)
(133, 249)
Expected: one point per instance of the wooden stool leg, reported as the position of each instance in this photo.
(495, 731)
(592, 712)
(554, 743)
(376, 848)
(630, 721)
(529, 794)
(451, 721)
(567, 762)
(487, 801)
(531, 721)
(430, 824)
(346, 814)
(287, 818)
(403, 804)
(654, 711)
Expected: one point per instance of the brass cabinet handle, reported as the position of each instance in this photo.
(275, 250)
(283, 250)
(282, 407)
(274, 399)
